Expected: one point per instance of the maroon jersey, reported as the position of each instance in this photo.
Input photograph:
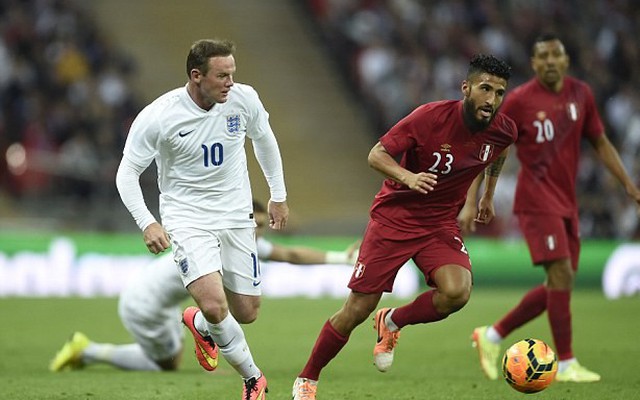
(550, 128)
(434, 138)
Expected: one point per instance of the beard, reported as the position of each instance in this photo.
(470, 119)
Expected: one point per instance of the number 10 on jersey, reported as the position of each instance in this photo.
(213, 155)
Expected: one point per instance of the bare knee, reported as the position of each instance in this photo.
(560, 275)
(244, 308)
(449, 300)
(348, 318)
(453, 291)
(359, 312)
(245, 316)
(355, 311)
(214, 312)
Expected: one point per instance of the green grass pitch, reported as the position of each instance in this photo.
(432, 361)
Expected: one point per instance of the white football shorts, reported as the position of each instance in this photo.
(233, 252)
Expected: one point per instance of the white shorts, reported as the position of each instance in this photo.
(233, 252)
(149, 307)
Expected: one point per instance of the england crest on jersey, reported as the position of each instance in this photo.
(485, 152)
(233, 123)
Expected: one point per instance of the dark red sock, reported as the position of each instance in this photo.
(559, 313)
(420, 311)
(532, 304)
(328, 345)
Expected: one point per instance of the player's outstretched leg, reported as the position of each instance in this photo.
(70, 355)
(206, 349)
(255, 388)
(574, 372)
(385, 343)
(304, 389)
(488, 352)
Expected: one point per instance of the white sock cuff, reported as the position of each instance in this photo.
(493, 336)
(228, 324)
(201, 324)
(389, 322)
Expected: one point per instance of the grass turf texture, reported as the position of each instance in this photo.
(433, 361)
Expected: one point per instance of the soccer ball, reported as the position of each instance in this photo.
(529, 366)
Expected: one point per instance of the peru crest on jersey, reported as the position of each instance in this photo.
(572, 110)
(358, 270)
(485, 152)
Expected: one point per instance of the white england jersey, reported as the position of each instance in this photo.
(200, 156)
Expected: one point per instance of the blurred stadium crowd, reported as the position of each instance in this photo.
(66, 102)
(65, 110)
(401, 53)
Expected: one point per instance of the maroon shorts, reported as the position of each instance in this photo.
(385, 250)
(551, 237)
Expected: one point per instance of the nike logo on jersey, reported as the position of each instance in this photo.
(183, 134)
(257, 283)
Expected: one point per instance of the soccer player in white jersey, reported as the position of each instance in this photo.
(149, 307)
(196, 136)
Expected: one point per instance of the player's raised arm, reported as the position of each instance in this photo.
(611, 159)
(380, 160)
(469, 212)
(486, 211)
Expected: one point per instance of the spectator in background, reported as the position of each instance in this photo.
(60, 76)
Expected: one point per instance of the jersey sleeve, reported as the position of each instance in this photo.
(128, 184)
(141, 146)
(593, 126)
(268, 155)
(139, 151)
(258, 122)
(400, 137)
(265, 145)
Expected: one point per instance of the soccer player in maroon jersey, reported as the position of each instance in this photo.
(553, 113)
(443, 147)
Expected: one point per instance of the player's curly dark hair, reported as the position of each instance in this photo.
(487, 63)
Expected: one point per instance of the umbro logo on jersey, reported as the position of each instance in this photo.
(183, 134)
